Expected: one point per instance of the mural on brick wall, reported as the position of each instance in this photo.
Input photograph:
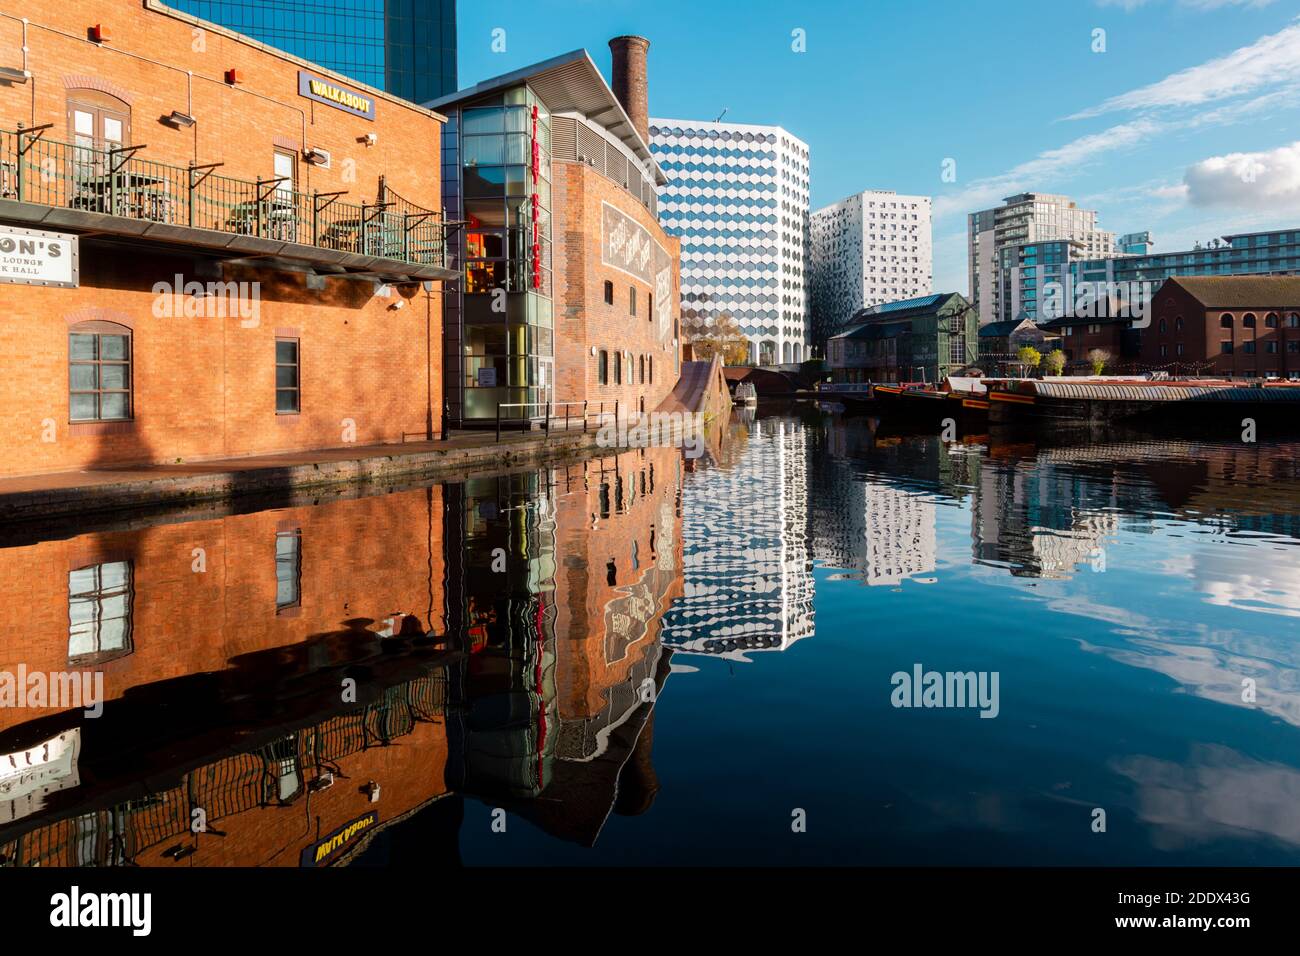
(627, 245)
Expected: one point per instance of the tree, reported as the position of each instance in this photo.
(725, 339)
(1029, 356)
(1056, 361)
(1098, 358)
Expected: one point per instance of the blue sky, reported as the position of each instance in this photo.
(1188, 124)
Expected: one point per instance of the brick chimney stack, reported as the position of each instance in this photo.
(630, 80)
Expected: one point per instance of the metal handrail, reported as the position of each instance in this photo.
(36, 169)
(550, 406)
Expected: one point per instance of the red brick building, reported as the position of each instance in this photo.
(1226, 325)
(221, 250)
(570, 291)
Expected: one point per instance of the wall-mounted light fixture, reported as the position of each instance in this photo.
(369, 139)
(9, 74)
(178, 119)
(317, 157)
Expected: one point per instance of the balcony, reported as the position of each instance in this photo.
(54, 185)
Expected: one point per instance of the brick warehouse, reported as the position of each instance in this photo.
(1226, 325)
(571, 285)
(260, 251)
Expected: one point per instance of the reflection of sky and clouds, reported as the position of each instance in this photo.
(1122, 592)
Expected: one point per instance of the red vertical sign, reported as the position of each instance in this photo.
(537, 170)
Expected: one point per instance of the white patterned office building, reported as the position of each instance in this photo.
(738, 196)
(868, 249)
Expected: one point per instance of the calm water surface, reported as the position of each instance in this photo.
(645, 659)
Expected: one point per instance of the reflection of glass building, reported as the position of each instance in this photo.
(404, 47)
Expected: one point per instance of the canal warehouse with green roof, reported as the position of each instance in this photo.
(922, 339)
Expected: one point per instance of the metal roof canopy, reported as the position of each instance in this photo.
(225, 245)
(568, 83)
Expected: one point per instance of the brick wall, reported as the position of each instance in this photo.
(584, 320)
(362, 561)
(204, 386)
(1178, 318)
(620, 572)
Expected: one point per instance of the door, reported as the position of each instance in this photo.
(97, 124)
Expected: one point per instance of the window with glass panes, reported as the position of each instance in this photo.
(99, 612)
(99, 372)
(288, 568)
(288, 392)
(506, 310)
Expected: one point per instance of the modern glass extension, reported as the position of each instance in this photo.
(499, 316)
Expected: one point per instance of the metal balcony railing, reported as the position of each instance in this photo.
(37, 169)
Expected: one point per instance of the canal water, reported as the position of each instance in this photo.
(819, 643)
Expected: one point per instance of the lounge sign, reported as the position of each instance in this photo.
(331, 94)
(35, 257)
(326, 851)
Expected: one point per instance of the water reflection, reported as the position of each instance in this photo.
(380, 679)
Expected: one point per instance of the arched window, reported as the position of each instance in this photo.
(1270, 320)
(1225, 320)
(98, 120)
(641, 370)
(1248, 320)
(99, 372)
(1293, 321)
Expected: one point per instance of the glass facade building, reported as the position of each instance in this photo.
(404, 47)
(498, 328)
(1024, 270)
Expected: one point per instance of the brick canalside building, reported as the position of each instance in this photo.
(208, 248)
(1226, 325)
(571, 288)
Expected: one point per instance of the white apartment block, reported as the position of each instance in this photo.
(737, 195)
(871, 248)
(1025, 217)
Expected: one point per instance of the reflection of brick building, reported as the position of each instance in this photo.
(224, 644)
(268, 579)
(560, 691)
(213, 167)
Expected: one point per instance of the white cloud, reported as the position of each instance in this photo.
(1129, 6)
(1268, 180)
(1053, 163)
(1270, 61)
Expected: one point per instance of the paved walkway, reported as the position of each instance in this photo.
(127, 485)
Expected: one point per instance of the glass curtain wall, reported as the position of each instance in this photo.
(504, 308)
